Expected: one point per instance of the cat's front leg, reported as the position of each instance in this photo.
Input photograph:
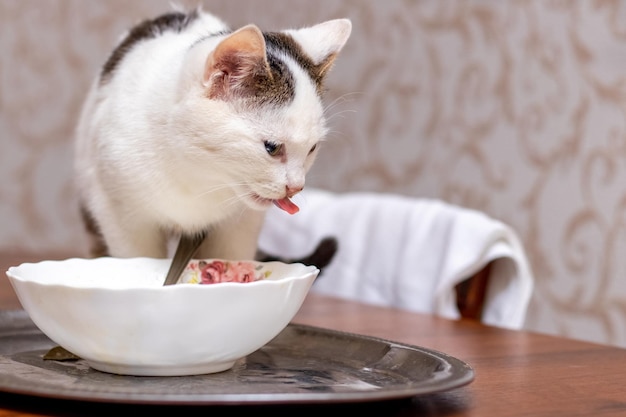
(135, 239)
(234, 238)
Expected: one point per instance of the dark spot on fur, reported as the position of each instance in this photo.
(284, 43)
(274, 88)
(98, 245)
(146, 30)
(278, 87)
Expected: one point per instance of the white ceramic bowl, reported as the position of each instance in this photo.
(117, 315)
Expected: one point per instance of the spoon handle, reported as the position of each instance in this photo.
(187, 247)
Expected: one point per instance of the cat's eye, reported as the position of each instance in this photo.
(313, 148)
(273, 148)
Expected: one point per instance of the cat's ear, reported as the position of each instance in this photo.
(323, 42)
(234, 59)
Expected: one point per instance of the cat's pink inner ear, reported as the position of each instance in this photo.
(235, 58)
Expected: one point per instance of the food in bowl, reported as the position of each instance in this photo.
(216, 270)
(117, 315)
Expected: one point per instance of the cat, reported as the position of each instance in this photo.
(191, 126)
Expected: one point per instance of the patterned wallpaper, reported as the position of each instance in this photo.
(516, 108)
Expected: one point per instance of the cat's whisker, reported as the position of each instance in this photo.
(337, 134)
(232, 201)
(217, 188)
(229, 202)
(340, 114)
(242, 212)
(339, 100)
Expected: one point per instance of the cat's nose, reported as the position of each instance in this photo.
(292, 190)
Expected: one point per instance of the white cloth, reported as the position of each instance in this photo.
(404, 252)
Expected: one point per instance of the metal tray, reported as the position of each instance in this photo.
(302, 364)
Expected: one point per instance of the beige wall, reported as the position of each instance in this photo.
(517, 108)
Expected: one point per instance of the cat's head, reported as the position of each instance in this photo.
(257, 106)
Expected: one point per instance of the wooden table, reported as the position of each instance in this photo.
(517, 373)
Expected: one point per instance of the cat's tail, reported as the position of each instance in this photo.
(320, 257)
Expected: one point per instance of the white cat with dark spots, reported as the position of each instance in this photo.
(193, 127)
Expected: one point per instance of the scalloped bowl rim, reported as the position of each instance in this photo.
(14, 273)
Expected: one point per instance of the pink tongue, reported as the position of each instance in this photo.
(287, 205)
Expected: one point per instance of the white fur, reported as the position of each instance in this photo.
(155, 156)
(320, 40)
